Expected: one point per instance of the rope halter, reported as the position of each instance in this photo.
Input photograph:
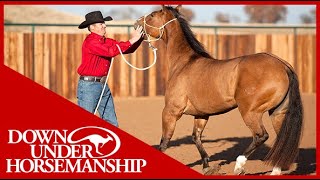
(161, 29)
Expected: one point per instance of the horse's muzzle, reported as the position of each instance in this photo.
(135, 25)
(138, 22)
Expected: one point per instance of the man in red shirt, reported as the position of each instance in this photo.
(97, 52)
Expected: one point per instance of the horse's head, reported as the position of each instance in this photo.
(154, 24)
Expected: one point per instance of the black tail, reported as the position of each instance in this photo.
(285, 149)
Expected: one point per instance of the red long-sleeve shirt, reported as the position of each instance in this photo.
(97, 52)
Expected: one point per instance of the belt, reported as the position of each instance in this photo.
(91, 78)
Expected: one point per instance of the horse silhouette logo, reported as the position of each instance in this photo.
(97, 140)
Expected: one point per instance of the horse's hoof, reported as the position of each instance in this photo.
(214, 170)
(275, 173)
(239, 171)
(162, 149)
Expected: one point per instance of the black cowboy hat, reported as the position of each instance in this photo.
(94, 17)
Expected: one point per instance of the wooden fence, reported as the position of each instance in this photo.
(51, 59)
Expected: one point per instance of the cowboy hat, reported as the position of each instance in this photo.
(93, 17)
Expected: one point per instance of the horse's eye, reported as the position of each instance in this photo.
(151, 14)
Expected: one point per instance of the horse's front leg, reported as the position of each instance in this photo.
(170, 115)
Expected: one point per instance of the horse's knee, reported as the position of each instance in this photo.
(173, 111)
(169, 119)
(265, 137)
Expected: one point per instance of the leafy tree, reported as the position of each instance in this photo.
(223, 18)
(124, 13)
(266, 13)
(186, 12)
(309, 18)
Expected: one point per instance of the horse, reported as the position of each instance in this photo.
(202, 86)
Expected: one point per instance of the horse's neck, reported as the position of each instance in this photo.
(178, 49)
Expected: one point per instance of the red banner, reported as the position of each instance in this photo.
(44, 135)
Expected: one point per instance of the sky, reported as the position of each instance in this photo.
(203, 13)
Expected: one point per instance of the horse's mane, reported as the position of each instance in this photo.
(193, 42)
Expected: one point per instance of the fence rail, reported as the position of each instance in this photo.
(51, 59)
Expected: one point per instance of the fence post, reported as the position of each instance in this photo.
(129, 57)
(216, 41)
(295, 46)
(33, 51)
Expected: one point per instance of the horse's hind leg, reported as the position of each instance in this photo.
(277, 116)
(170, 115)
(253, 120)
(198, 127)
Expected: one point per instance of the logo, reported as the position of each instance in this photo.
(97, 140)
(85, 149)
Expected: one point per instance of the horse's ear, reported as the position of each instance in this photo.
(163, 7)
(179, 7)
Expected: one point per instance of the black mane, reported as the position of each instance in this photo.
(193, 42)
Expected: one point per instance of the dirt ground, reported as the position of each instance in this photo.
(224, 138)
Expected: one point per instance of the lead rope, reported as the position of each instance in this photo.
(161, 29)
(140, 69)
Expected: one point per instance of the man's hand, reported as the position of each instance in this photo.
(136, 34)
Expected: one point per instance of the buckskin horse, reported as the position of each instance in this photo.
(202, 86)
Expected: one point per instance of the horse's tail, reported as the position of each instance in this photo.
(285, 149)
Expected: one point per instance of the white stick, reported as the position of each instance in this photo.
(104, 87)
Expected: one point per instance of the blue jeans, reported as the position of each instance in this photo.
(88, 95)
